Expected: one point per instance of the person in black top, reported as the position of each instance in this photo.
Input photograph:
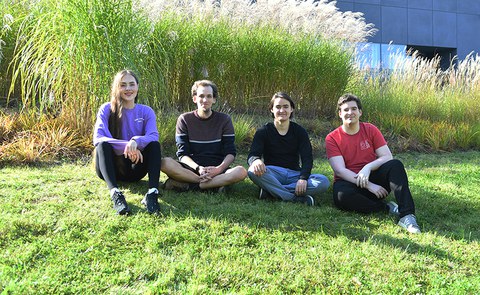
(205, 146)
(283, 144)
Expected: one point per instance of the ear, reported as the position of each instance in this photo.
(194, 98)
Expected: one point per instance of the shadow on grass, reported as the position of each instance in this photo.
(241, 207)
(438, 213)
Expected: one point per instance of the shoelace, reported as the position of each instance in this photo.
(117, 198)
(410, 221)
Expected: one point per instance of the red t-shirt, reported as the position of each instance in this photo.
(358, 149)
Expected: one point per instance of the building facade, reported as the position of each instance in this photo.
(446, 28)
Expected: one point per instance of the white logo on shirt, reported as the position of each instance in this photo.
(364, 145)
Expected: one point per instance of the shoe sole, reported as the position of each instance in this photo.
(411, 230)
(125, 211)
(312, 201)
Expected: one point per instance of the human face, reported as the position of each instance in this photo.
(204, 99)
(281, 109)
(128, 90)
(350, 113)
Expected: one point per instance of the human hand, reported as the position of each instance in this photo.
(208, 173)
(301, 187)
(258, 167)
(362, 177)
(377, 190)
(136, 157)
(131, 152)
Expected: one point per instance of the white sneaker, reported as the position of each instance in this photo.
(393, 208)
(409, 222)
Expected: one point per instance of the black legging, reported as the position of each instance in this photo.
(111, 167)
(391, 176)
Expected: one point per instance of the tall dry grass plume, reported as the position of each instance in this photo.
(419, 101)
(314, 18)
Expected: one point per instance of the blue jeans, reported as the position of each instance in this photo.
(281, 182)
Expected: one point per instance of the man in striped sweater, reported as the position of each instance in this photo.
(205, 146)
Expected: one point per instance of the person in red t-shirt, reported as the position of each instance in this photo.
(364, 169)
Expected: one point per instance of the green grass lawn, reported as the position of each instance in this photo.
(59, 234)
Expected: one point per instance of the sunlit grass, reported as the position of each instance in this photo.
(60, 235)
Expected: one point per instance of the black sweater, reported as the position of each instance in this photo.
(283, 150)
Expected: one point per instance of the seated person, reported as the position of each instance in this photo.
(365, 171)
(283, 144)
(126, 143)
(205, 146)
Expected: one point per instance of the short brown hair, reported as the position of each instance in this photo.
(346, 98)
(204, 83)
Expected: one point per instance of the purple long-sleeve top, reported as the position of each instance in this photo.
(138, 123)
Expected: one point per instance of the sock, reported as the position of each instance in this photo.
(152, 190)
(113, 191)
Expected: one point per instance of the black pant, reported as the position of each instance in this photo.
(391, 176)
(111, 167)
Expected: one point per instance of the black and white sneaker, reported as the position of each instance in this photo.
(264, 195)
(307, 200)
(150, 201)
(120, 204)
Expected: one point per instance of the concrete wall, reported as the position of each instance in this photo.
(434, 23)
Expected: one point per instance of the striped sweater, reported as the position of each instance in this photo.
(206, 141)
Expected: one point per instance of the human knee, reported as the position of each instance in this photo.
(251, 174)
(102, 146)
(319, 181)
(168, 164)
(395, 164)
(154, 145)
(341, 198)
(241, 173)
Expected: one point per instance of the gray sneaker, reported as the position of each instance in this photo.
(409, 222)
(393, 208)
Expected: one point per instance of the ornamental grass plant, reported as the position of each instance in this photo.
(58, 59)
(430, 107)
(62, 55)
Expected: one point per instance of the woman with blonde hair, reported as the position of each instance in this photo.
(126, 143)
